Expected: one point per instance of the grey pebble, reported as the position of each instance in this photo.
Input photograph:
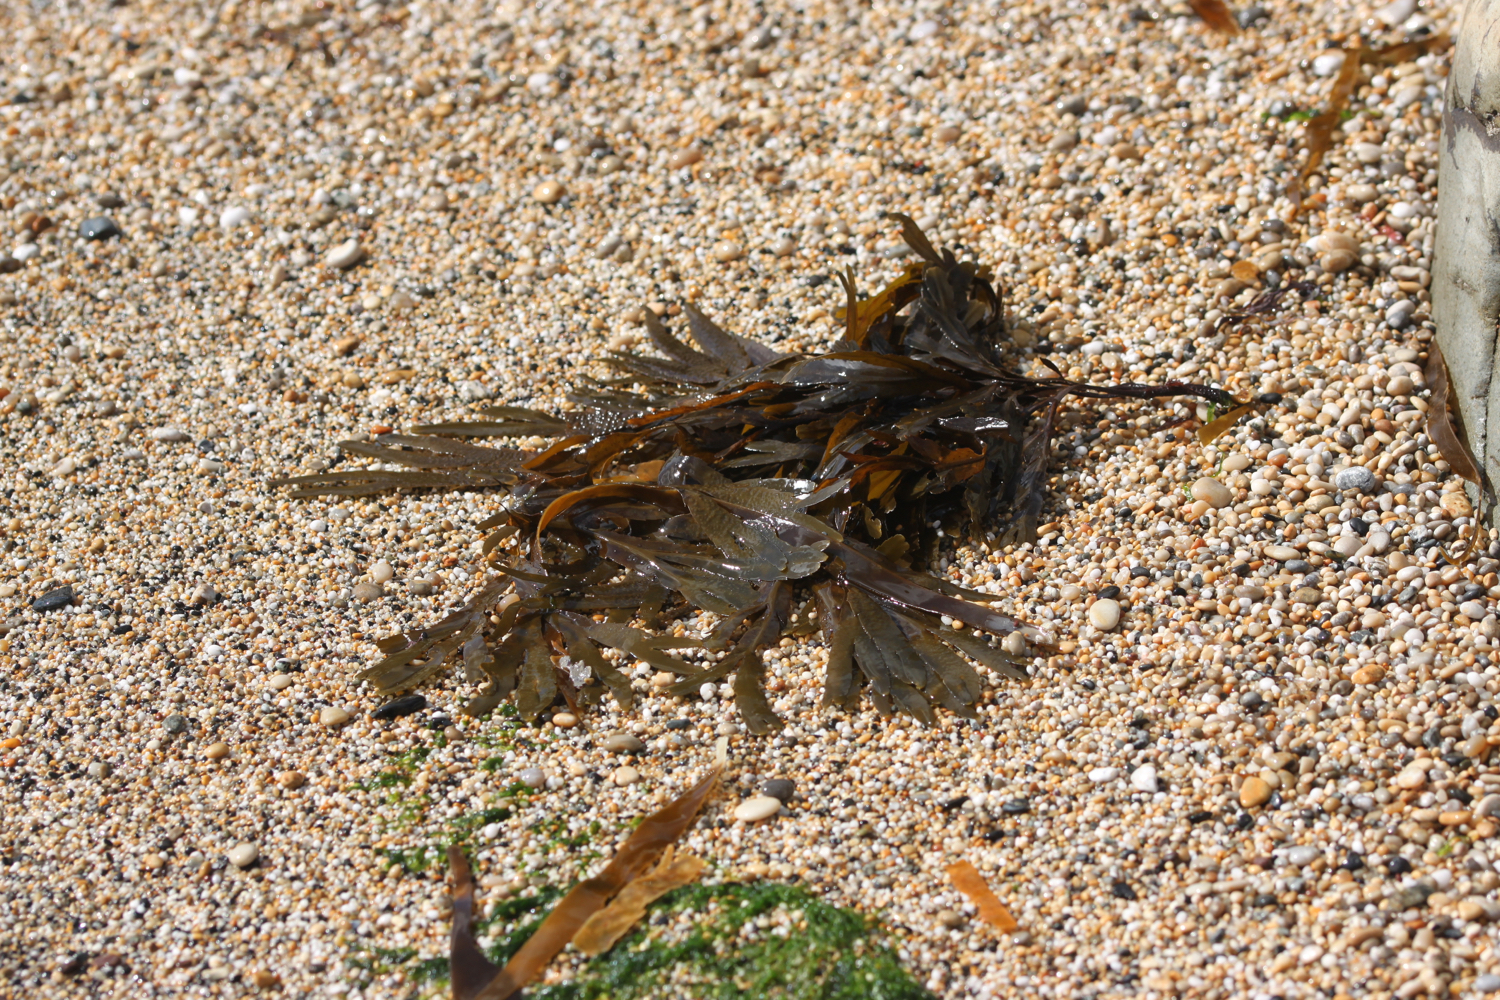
(1399, 315)
(780, 788)
(59, 597)
(1487, 983)
(1303, 855)
(100, 227)
(1357, 478)
(174, 724)
(622, 743)
(366, 592)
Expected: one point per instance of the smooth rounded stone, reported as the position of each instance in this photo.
(243, 855)
(1335, 261)
(100, 227)
(368, 591)
(1412, 776)
(217, 751)
(951, 919)
(924, 29)
(1487, 983)
(779, 788)
(621, 743)
(396, 708)
(153, 862)
(174, 724)
(234, 216)
(757, 808)
(1328, 63)
(101, 769)
(382, 572)
(52, 600)
(434, 201)
(279, 682)
(1212, 492)
(333, 717)
(1063, 141)
(532, 777)
(946, 133)
(784, 247)
(727, 251)
(1281, 553)
(1472, 610)
(1372, 620)
(1347, 545)
(1254, 792)
(1362, 193)
(291, 780)
(565, 720)
(625, 775)
(1014, 644)
(549, 192)
(1367, 153)
(1399, 317)
(1356, 478)
(1302, 855)
(1143, 778)
(1104, 614)
(1369, 674)
(680, 158)
(1101, 775)
(345, 255)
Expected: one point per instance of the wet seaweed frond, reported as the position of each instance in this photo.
(784, 493)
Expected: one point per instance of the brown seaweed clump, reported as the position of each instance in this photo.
(784, 493)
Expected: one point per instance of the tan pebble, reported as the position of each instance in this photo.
(726, 251)
(565, 720)
(1104, 614)
(291, 779)
(1125, 151)
(946, 133)
(951, 919)
(756, 808)
(1334, 239)
(1371, 674)
(1281, 553)
(333, 716)
(663, 679)
(1199, 508)
(1372, 620)
(1457, 504)
(625, 775)
(266, 979)
(1471, 911)
(351, 380)
(1245, 270)
(345, 255)
(1457, 817)
(243, 855)
(217, 751)
(549, 192)
(1254, 792)
(1213, 492)
(1413, 775)
(345, 345)
(153, 862)
(1399, 386)
(1335, 261)
(684, 158)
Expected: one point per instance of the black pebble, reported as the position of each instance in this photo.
(1016, 807)
(60, 597)
(780, 788)
(109, 200)
(1123, 891)
(1398, 866)
(1271, 398)
(1109, 593)
(679, 723)
(100, 227)
(405, 705)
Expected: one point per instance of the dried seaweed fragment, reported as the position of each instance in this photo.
(1217, 15)
(972, 884)
(600, 932)
(725, 477)
(656, 834)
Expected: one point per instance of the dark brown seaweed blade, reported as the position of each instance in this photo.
(655, 834)
(1217, 15)
(1442, 424)
(721, 476)
(468, 968)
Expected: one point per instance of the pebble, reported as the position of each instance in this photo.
(1337, 261)
(1362, 193)
(757, 808)
(396, 708)
(726, 251)
(1487, 983)
(565, 720)
(1302, 856)
(532, 777)
(1144, 779)
(1212, 492)
(625, 775)
(1356, 478)
(549, 192)
(680, 158)
(1412, 776)
(1104, 614)
(174, 724)
(382, 572)
(621, 743)
(333, 716)
(1398, 386)
(98, 227)
(59, 597)
(345, 255)
(779, 788)
(1254, 792)
(1328, 63)
(291, 780)
(1103, 775)
(1281, 553)
(101, 769)
(243, 855)
(217, 751)
(367, 591)
(234, 216)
